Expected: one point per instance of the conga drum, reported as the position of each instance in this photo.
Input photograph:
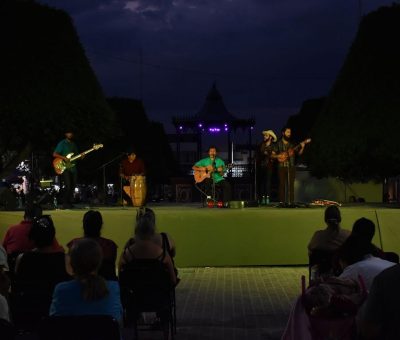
(138, 190)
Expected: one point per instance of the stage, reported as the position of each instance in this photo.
(228, 237)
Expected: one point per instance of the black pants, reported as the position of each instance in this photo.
(286, 184)
(223, 185)
(264, 176)
(70, 179)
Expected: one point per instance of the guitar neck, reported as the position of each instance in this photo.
(298, 146)
(81, 154)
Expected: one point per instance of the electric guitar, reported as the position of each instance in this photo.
(283, 156)
(60, 165)
(201, 174)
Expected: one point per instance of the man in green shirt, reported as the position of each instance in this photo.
(63, 148)
(210, 170)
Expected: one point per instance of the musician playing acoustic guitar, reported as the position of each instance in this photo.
(70, 174)
(210, 170)
(284, 151)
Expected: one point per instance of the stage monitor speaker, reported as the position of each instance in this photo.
(8, 199)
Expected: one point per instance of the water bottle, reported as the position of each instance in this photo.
(55, 202)
(267, 201)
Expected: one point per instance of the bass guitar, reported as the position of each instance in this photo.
(283, 156)
(60, 165)
(201, 174)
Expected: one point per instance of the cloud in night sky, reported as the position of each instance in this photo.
(267, 56)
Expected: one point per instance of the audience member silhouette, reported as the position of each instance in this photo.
(380, 317)
(16, 239)
(92, 224)
(333, 236)
(147, 244)
(355, 259)
(89, 293)
(162, 240)
(36, 274)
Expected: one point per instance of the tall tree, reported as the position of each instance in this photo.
(47, 84)
(146, 137)
(356, 135)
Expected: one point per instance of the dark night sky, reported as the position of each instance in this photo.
(267, 56)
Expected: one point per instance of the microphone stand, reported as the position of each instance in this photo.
(103, 168)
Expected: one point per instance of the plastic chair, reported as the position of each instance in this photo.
(340, 326)
(107, 270)
(146, 287)
(391, 256)
(81, 327)
(319, 263)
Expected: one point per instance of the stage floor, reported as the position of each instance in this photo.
(228, 237)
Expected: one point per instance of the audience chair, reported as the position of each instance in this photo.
(146, 287)
(323, 260)
(391, 256)
(82, 327)
(107, 270)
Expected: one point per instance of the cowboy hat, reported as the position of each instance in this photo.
(271, 133)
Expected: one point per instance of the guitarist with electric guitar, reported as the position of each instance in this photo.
(210, 171)
(284, 151)
(65, 153)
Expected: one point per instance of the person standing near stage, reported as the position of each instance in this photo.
(212, 169)
(284, 152)
(130, 166)
(70, 174)
(265, 164)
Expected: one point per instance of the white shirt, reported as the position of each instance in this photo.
(4, 313)
(368, 268)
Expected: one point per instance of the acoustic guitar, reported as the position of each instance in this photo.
(60, 165)
(283, 156)
(201, 174)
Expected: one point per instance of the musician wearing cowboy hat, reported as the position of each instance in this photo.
(265, 164)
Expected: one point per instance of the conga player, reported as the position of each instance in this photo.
(130, 169)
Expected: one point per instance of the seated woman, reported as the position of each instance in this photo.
(92, 224)
(333, 236)
(37, 272)
(324, 242)
(161, 240)
(146, 245)
(89, 293)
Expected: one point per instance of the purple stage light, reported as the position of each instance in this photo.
(214, 129)
(200, 125)
(181, 128)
